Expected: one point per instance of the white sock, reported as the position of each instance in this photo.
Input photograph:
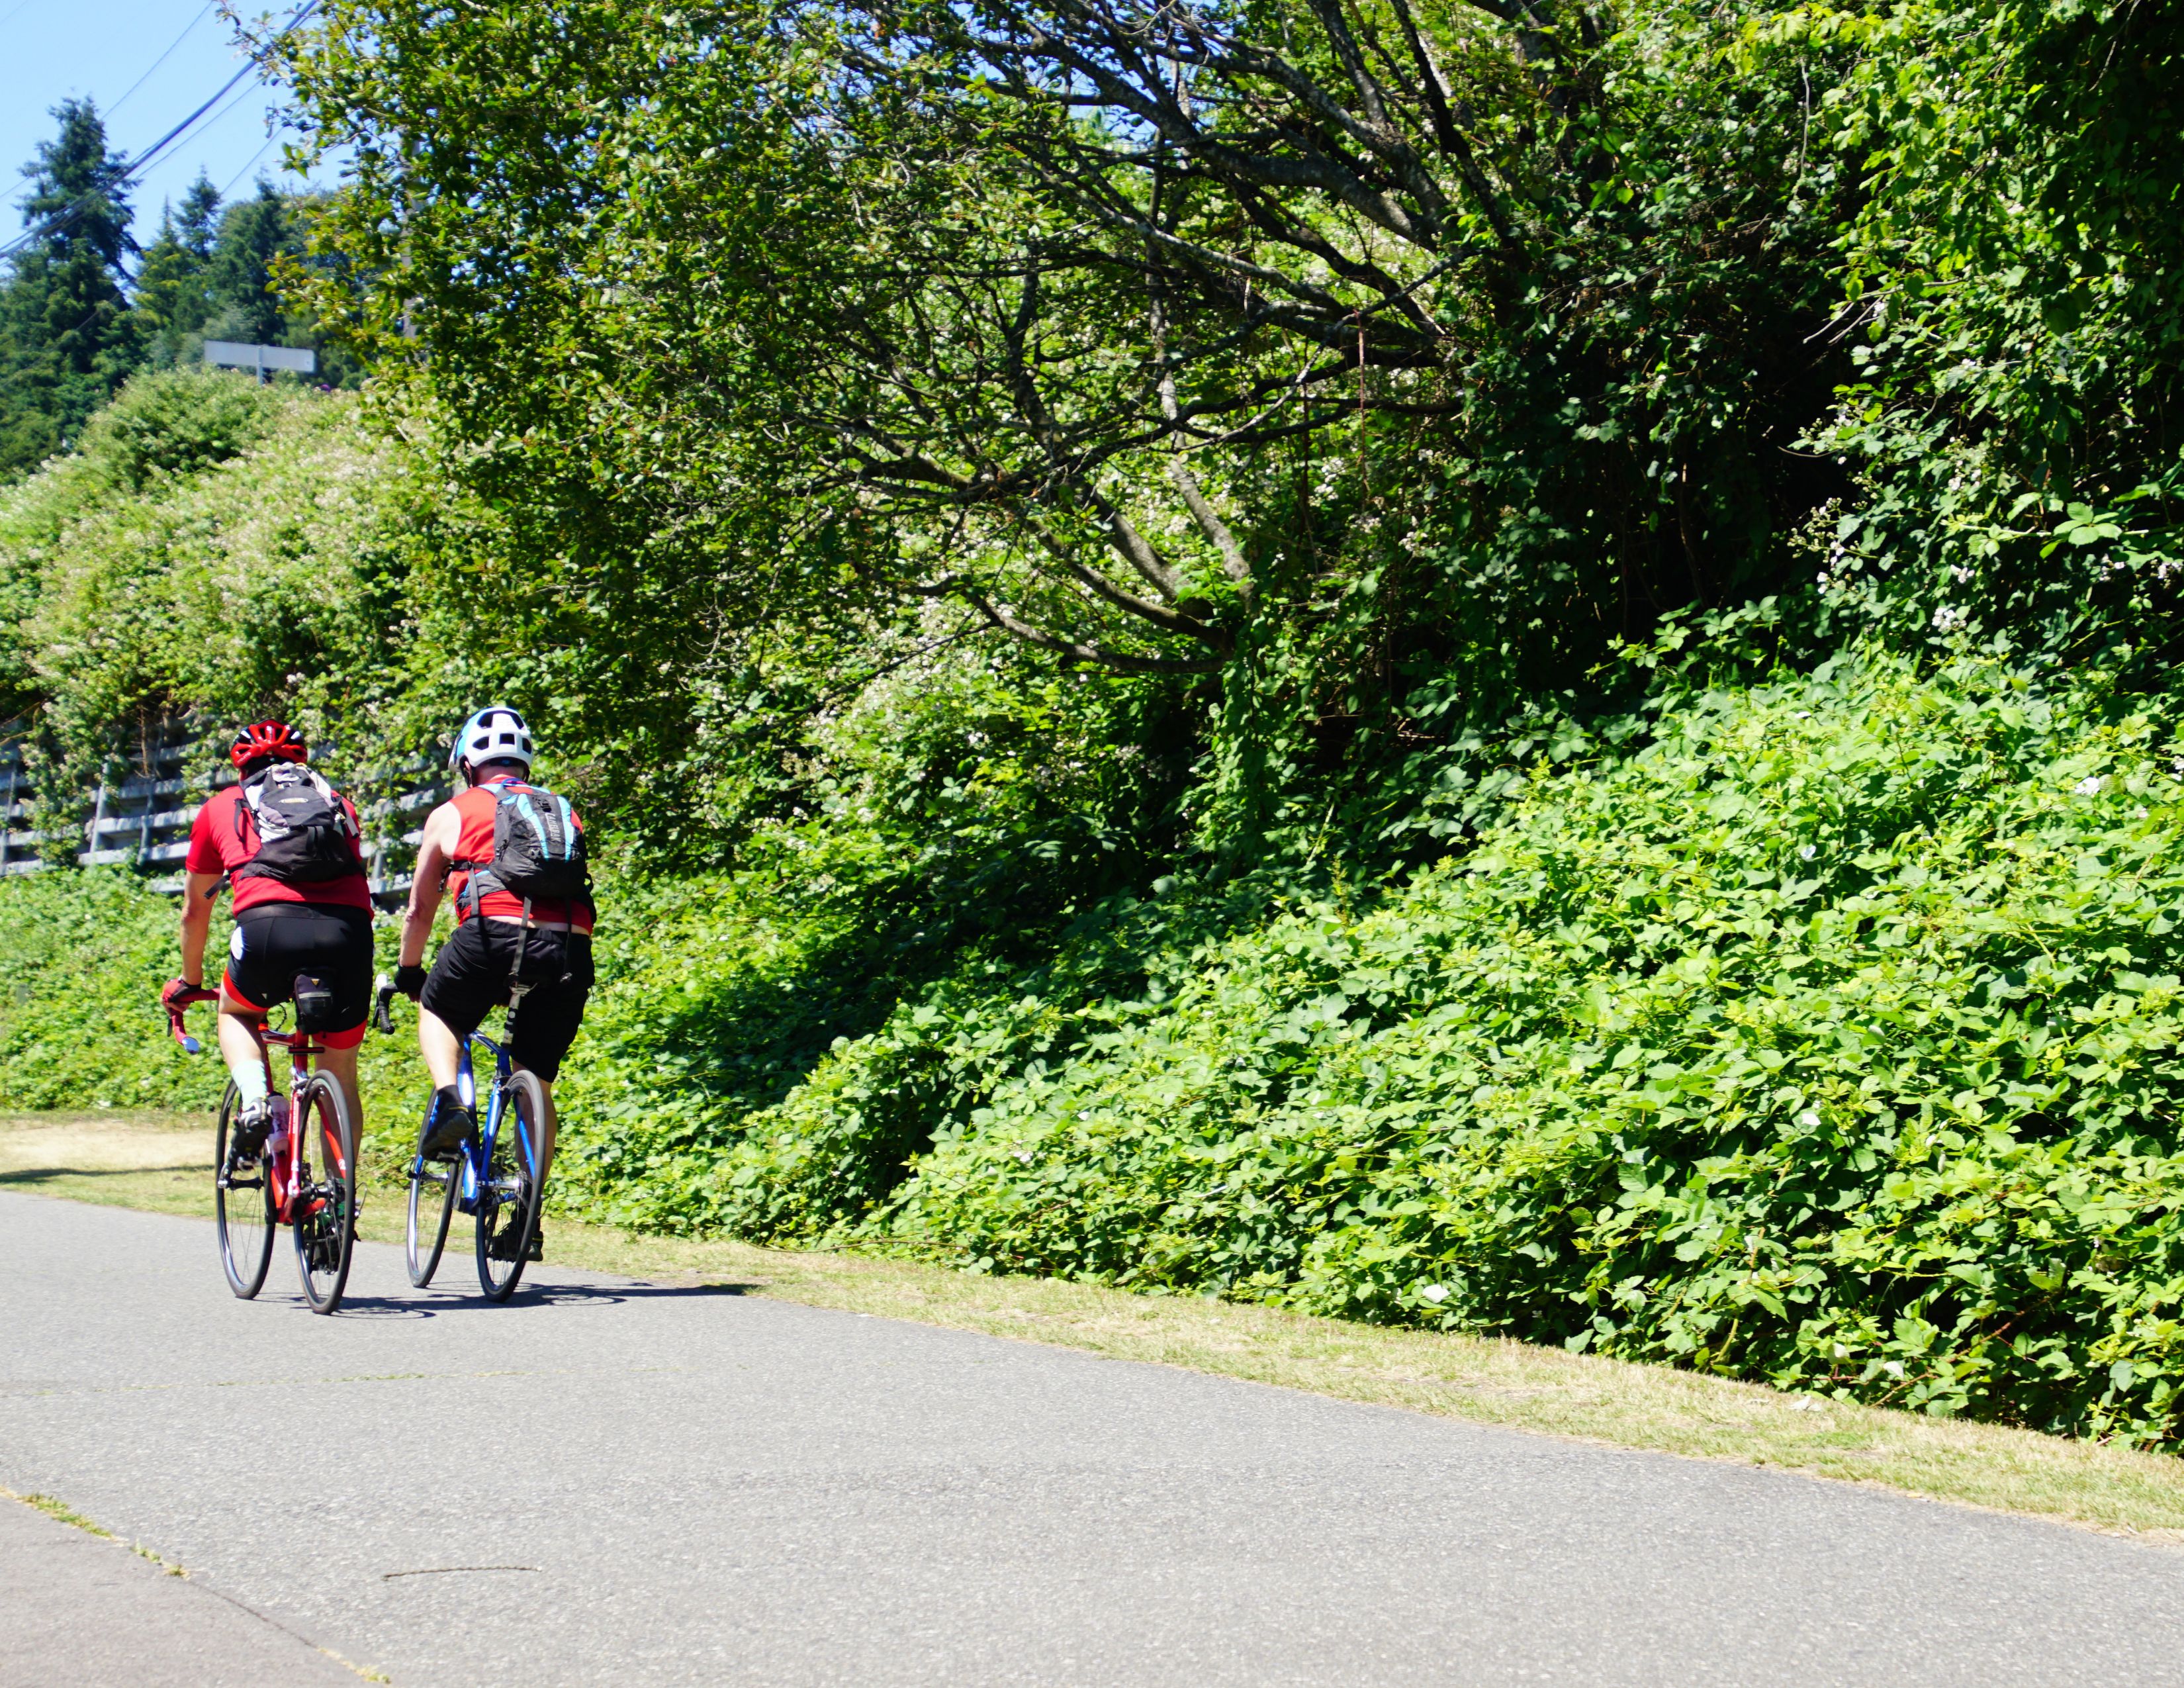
(249, 1083)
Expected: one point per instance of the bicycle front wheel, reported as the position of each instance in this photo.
(432, 1187)
(243, 1203)
(508, 1201)
(325, 1204)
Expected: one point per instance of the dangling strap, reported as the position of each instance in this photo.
(517, 984)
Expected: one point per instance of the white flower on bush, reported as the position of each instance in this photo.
(1023, 1155)
(1435, 1293)
(1810, 1120)
(2092, 785)
(1948, 618)
(1805, 852)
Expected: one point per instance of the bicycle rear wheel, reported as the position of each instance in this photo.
(432, 1187)
(243, 1203)
(508, 1198)
(325, 1208)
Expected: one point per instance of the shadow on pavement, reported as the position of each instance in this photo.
(432, 1302)
(32, 1175)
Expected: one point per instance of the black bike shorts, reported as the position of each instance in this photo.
(274, 942)
(475, 968)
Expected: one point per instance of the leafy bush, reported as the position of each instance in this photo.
(176, 422)
(1829, 1038)
(84, 954)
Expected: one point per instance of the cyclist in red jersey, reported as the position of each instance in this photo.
(501, 939)
(291, 846)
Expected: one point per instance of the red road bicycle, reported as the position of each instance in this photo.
(255, 1194)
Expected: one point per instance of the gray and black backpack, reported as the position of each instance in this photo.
(305, 836)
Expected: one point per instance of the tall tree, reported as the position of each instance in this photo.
(172, 298)
(254, 234)
(64, 342)
(197, 226)
(1147, 332)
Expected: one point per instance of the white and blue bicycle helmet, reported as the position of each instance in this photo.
(496, 733)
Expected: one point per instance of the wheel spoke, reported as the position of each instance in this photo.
(507, 1207)
(432, 1189)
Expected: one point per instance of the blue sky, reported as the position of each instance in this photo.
(51, 49)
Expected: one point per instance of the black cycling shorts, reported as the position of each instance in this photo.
(472, 974)
(274, 942)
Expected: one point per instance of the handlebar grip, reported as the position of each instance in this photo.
(175, 1008)
(382, 994)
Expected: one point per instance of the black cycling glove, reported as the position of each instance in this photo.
(410, 981)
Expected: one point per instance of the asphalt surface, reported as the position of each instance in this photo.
(608, 1482)
(79, 1609)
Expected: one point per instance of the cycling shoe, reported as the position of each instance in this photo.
(502, 1246)
(453, 1126)
(248, 1137)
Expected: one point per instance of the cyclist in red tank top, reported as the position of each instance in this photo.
(303, 910)
(497, 934)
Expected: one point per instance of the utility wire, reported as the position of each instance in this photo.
(15, 13)
(249, 167)
(145, 159)
(162, 58)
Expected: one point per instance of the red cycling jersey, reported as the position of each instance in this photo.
(223, 838)
(474, 844)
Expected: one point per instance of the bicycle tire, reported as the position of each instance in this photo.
(426, 1177)
(510, 1176)
(325, 1210)
(242, 1207)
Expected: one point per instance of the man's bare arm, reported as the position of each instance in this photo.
(435, 850)
(198, 892)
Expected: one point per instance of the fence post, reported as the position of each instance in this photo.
(98, 816)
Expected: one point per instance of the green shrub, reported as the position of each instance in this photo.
(1829, 1038)
(84, 954)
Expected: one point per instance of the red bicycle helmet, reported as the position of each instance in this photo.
(264, 739)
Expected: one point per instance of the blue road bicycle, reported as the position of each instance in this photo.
(495, 1178)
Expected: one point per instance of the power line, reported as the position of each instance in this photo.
(205, 129)
(15, 13)
(161, 59)
(249, 167)
(144, 160)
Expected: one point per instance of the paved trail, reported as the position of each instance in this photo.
(610, 1482)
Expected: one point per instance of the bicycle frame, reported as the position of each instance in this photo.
(289, 1178)
(477, 1158)
(286, 1173)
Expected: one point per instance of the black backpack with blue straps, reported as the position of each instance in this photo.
(537, 849)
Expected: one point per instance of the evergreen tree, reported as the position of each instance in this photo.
(66, 343)
(239, 275)
(195, 227)
(172, 298)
